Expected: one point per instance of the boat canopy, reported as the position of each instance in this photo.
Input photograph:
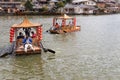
(64, 17)
(25, 24)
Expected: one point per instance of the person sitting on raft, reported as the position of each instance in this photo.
(33, 35)
(35, 40)
(28, 43)
(19, 40)
(20, 36)
(56, 26)
(27, 31)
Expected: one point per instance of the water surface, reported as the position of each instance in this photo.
(90, 54)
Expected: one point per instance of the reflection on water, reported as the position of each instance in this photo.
(90, 54)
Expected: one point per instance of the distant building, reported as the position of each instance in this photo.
(10, 6)
(107, 6)
(81, 7)
(39, 4)
(101, 4)
(85, 2)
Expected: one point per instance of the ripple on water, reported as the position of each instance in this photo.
(91, 54)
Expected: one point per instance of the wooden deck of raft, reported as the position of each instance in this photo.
(20, 50)
(65, 30)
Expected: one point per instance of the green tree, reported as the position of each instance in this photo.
(28, 5)
(60, 4)
(45, 8)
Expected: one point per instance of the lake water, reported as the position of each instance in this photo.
(90, 54)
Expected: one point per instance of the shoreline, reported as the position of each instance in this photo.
(50, 14)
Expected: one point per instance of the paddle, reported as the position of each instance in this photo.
(7, 51)
(51, 51)
(45, 50)
(3, 55)
(49, 29)
(65, 31)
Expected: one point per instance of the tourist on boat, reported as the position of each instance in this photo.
(33, 35)
(27, 31)
(28, 43)
(35, 40)
(57, 26)
(19, 39)
(20, 36)
(70, 24)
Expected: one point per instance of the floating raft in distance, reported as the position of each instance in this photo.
(64, 27)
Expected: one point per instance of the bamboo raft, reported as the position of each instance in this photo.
(64, 27)
(19, 47)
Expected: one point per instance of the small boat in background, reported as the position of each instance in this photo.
(63, 24)
(18, 47)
